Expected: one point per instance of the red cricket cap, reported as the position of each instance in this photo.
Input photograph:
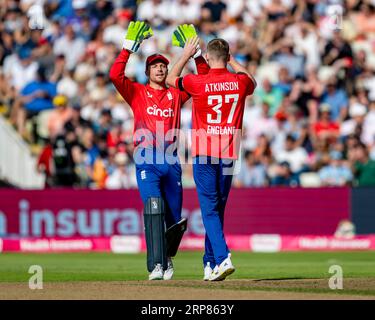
(156, 57)
(124, 15)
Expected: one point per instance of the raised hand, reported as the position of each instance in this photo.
(182, 34)
(137, 32)
(191, 47)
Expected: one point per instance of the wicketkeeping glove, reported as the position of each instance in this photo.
(182, 34)
(137, 32)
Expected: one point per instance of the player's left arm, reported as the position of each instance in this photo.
(202, 65)
(180, 36)
(189, 50)
(239, 68)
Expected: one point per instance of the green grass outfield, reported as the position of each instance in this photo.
(359, 266)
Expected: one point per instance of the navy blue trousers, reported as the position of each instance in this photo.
(162, 180)
(213, 178)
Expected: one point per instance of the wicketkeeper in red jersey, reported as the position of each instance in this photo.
(156, 111)
(218, 107)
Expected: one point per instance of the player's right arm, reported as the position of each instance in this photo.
(117, 75)
(137, 32)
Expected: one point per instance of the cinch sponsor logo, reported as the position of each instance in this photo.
(155, 111)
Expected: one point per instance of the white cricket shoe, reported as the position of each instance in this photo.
(223, 270)
(157, 273)
(207, 272)
(168, 274)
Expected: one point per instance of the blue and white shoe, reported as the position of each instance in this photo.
(223, 270)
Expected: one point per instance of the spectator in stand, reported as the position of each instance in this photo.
(121, 177)
(306, 94)
(76, 123)
(325, 129)
(336, 174)
(115, 135)
(186, 11)
(306, 43)
(297, 126)
(252, 173)
(7, 94)
(284, 82)
(63, 162)
(101, 9)
(263, 124)
(365, 18)
(88, 141)
(364, 167)
(354, 125)
(80, 167)
(214, 10)
(337, 49)
(6, 45)
(20, 68)
(284, 176)
(337, 99)
(71, 46)
(44, 164)
(272, 95)
(104, 124)
(295, 155)
(287, 58)
(38, 94)
(368, 129)
(153, 11)
(59, 8)
(263, 148)
(36, 97)
(59, 116)
(99, 171)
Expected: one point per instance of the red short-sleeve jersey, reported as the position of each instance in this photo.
(218, 107)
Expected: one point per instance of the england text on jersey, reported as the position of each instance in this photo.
(221, 130)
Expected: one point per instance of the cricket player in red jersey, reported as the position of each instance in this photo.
(218, 107)
(156, 111)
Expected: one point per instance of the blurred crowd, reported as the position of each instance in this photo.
(311, 121)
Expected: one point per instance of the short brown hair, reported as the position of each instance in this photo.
(219, 49)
